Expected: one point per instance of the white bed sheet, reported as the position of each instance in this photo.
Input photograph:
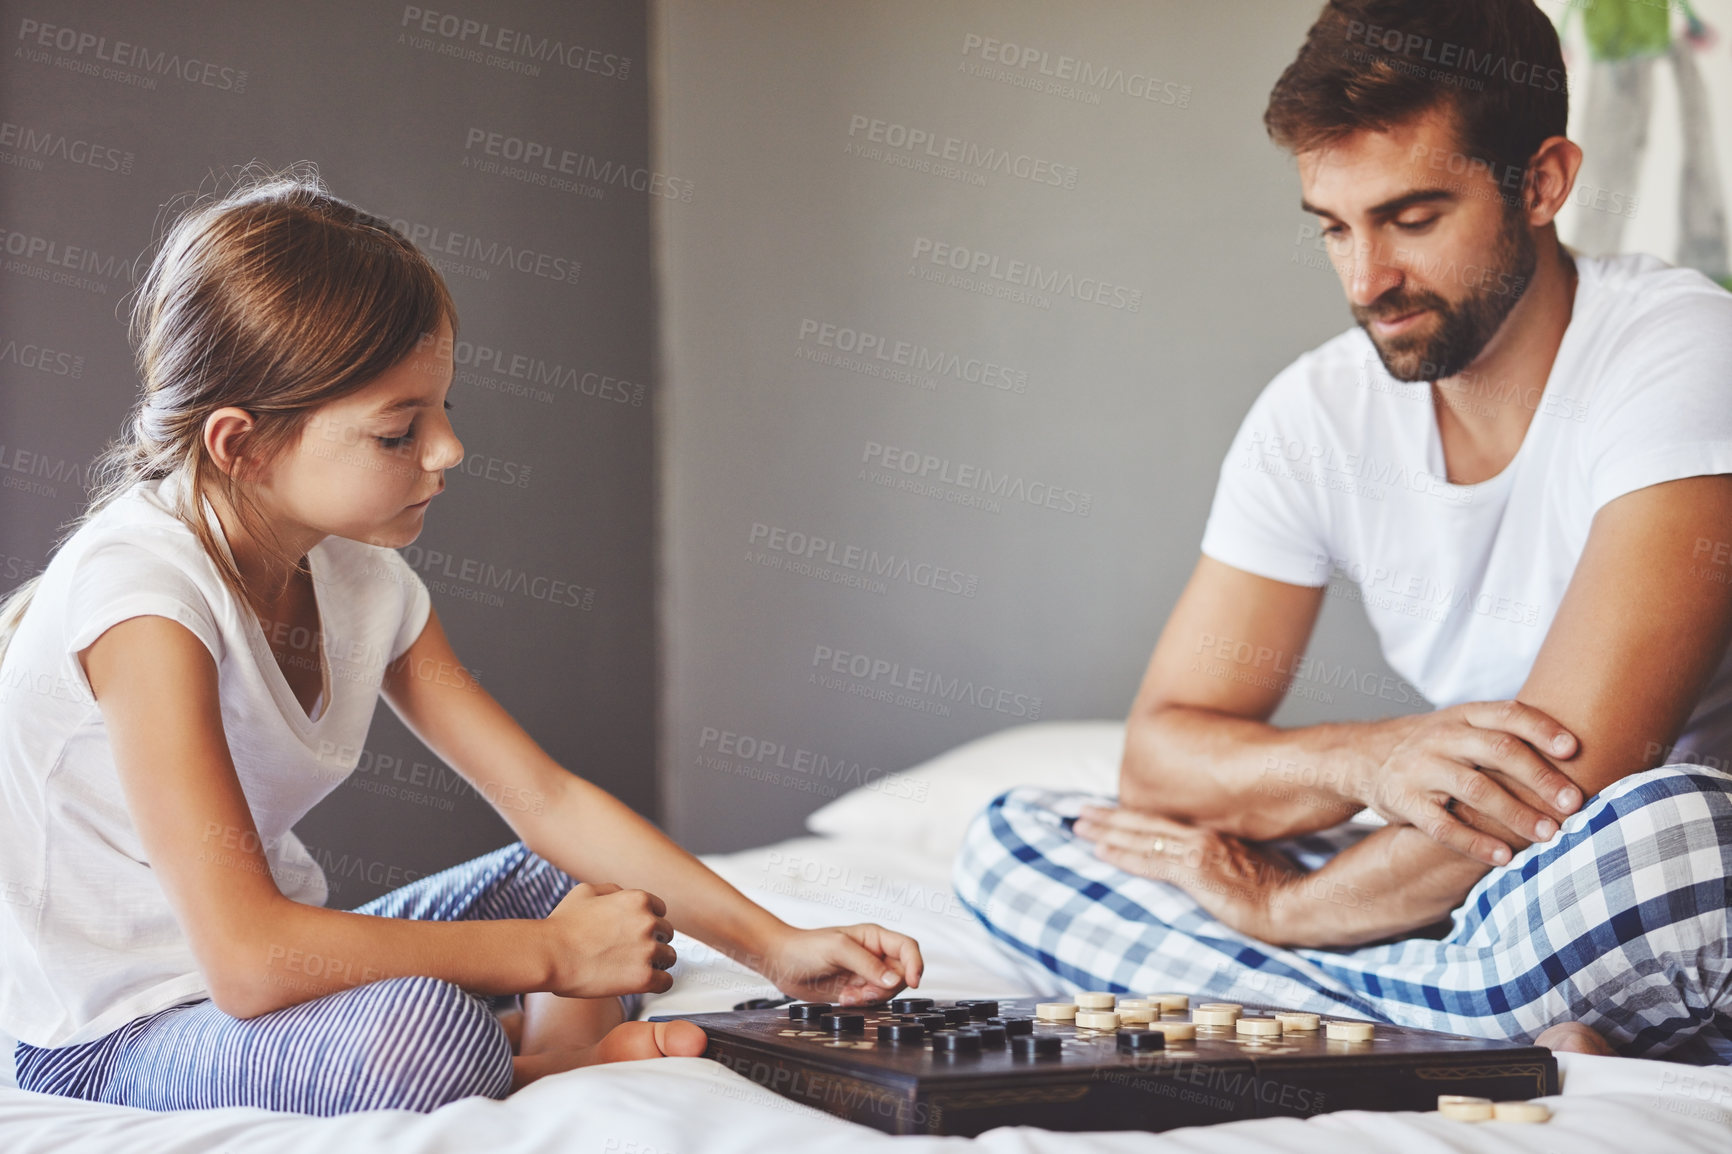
(684, 1105)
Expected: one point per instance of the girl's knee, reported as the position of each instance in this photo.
(541, 870)
(437, 1011)
(428, 1042)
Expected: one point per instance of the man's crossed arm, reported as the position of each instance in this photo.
(1643, 624)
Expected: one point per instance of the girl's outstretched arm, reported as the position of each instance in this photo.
(156, 686)
(592, 835)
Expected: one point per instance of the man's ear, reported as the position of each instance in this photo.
(1551, 176)
(226, 432)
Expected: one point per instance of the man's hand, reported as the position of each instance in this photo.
(847, 965)
(1482, 755)
(1238, 883)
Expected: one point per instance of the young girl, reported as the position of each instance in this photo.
(197, 667)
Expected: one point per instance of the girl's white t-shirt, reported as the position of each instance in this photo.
(88, 941)
(1338, 470)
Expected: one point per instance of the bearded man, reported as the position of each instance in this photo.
(1522, 456)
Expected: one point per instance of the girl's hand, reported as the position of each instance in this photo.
(1242, 886)
(846, 965)
(604, 940)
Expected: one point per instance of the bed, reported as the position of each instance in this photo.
(881, 853)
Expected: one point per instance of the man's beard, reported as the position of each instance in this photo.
(1465, 327)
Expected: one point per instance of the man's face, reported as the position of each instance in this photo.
(1430, 249)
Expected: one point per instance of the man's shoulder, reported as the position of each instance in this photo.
(1652, 334)
(1637, 297)
(1643, 273)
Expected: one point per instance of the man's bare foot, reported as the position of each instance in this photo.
(628, 1042)
(1575, 1038)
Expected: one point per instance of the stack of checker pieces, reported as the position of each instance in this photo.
(1101, 1061)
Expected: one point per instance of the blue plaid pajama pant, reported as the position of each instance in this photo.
(1621, 921)
(411, 1043)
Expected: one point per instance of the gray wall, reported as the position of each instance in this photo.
(806, 214)
(559, 483)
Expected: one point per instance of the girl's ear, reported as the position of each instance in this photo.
(225, 436)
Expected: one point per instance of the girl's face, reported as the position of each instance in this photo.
(367, 465)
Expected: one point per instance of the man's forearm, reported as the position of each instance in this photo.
(1247, 777)
(1393, 883)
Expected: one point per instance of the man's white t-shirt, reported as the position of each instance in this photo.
(88, 941)
(1338, 469)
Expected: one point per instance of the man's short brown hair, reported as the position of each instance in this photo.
(1372, 64)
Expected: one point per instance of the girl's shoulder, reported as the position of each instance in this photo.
(132, 558)
(141, 523)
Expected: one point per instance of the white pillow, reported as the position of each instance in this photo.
(928, 807)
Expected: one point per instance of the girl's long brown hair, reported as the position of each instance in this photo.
(276, 297)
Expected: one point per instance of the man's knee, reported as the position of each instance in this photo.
(1021, 797)
(1678, 778)
(1048, 806)
(1026, 821)
(1653, 849)
(1673, 808)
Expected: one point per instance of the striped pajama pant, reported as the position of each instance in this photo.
(1621, 921)
(412, 1043)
